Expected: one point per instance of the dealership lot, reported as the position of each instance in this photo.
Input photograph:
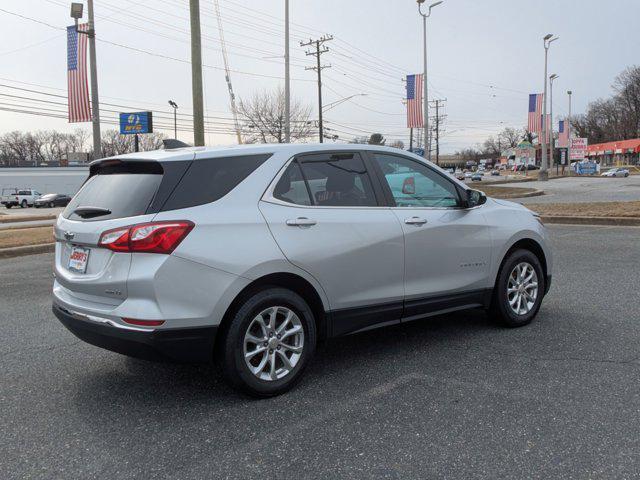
(452, 396)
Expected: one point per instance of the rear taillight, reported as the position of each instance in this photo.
(154, 237)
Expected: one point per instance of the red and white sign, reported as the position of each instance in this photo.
(579, 148)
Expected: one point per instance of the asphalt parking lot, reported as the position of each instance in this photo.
(450, 397)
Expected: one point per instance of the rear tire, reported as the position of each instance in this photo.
(519, 289)
(271, 324)
(24, 204)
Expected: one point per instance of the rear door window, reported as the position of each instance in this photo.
(291, 187)
(338, 181)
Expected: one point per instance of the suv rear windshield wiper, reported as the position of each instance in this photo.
(91, 212)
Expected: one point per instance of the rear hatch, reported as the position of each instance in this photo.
(118, 193)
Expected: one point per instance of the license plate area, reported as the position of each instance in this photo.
(78, 259)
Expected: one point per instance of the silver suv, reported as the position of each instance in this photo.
(254, 254)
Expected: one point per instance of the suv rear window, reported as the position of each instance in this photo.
(118, 189)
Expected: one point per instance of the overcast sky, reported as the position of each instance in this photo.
(485, 57)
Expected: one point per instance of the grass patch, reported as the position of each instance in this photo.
(596, 209)
(503, 192)
(26, 236)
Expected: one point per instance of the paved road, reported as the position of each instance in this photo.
(31, 211)
(576, 189)
(452, 397)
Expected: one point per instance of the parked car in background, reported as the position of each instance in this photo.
(476, 177)
(468, 174)
(460, 175)
(495, 173)
(8, 196)
(616, 172)
(53, 200)
(23, 198)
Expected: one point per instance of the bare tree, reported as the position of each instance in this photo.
(397, 144)
(510, 137)
(263, 118)
(115, 144)
(360, 140)
(615, 118)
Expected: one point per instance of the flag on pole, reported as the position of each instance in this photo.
(78, 86)
(535, 113)
(563, 134)
(415, 87)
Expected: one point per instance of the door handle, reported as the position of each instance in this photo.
(415, 221)
(301, 222)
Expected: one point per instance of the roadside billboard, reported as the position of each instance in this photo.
(579, 148)
(136, 122)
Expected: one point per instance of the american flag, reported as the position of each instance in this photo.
(78, 86)
(535, 113)
(563, 134)
(415, 87)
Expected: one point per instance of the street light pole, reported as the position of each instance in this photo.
(76, 14)
(287, 78)
(544, 172)
(552, 140)
(427, 146)
(174, 105)
(569, 92)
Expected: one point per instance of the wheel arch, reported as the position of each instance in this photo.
(534, 247)
(288, 280)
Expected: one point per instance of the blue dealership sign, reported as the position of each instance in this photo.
(136, 122)
(586, 168)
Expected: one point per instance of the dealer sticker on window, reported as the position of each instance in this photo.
(78, 259)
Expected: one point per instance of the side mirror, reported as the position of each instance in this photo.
(475, 198)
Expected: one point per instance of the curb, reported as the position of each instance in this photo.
(34, 218)
(26, 250)
(609, 221)
(25, 227)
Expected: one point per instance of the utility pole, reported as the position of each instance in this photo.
(319, 50)
(438, 119)
(95, 99)
(196, 73)
(287, 77)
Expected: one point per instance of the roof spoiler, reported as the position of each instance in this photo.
(172, 143)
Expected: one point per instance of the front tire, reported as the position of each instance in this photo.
(519, 289)
(269, 342)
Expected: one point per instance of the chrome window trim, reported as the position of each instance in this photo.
(269, 198)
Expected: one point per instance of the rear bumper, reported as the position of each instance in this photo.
(191, 345)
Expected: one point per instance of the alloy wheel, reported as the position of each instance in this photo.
(522, 288)
(273, 343)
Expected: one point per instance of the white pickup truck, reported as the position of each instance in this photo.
(14, 197)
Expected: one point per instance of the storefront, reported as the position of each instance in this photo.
(622, 152)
